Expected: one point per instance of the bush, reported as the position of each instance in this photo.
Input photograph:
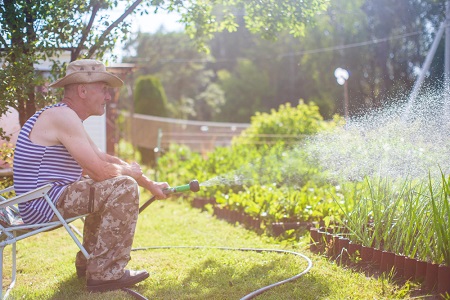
(289, 124)
(149, 99)
(6, 155)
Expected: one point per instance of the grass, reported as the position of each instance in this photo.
(46, 269)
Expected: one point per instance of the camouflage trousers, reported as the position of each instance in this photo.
(113, 208)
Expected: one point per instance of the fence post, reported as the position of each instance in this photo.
(157, 151)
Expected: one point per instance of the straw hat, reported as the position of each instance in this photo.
(87, 71)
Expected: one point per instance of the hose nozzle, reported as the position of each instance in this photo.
(193, 186)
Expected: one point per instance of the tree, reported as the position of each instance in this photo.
(150, 97)
(391, 38)
(39, 30)
(183, 70)
(35, 30)
(246, 92)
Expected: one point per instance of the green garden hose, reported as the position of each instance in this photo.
(252, 294)
(194, 186)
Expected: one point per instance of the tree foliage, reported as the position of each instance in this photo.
(36, 31)
(183, 70)
(381, 43)
(268, 18)
(150, 97)
(247, 90)
(31, 31)
(285, 124)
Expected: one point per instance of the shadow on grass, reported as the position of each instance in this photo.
(75, 288)
(214, 280)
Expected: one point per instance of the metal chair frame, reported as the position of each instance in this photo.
(15, 233)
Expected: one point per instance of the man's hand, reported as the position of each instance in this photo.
(136, 171)
(157, 189)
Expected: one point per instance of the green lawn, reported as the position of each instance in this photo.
(46, 270)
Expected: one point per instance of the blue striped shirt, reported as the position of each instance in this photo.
(35, 165)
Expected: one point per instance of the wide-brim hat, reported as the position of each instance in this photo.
(87, 71)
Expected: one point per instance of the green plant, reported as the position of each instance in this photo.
(441, 223)
(409, 221)
(125, 151)
(288, 124)
(179, 165)
(149, 99)
(6, 155)
(356, 217)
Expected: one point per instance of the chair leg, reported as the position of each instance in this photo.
(74, 229)
(13, 271)
(66, 226)
(1, 272)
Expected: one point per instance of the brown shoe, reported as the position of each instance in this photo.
(128, 279)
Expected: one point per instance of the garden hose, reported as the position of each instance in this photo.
(195, 187)
(252, 294)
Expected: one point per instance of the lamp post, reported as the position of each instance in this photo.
(341, 78)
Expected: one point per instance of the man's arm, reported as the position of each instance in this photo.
(69, 131)
(154, 187)
(105, 156)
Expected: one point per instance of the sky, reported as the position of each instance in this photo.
(152, 22)
(148, 23)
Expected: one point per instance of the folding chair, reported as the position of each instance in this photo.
(14, 229)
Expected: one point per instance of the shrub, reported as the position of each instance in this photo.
(289, 124)
(149, 99)
(6, 155)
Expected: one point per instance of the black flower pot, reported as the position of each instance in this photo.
(431, 277)
(443, 279)
(366, 254)
(399, 266)
(409, 270)
(387, 261)
(421, 270)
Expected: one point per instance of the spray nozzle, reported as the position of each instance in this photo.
(193, 186)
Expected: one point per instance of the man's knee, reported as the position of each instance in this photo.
(130, 186)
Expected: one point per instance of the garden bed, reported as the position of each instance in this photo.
(434, 278)
(334, 242)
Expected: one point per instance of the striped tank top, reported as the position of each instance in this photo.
(35, 165)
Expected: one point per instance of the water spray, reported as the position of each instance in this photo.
(192, 186)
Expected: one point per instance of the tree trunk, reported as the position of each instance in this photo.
(29, 51)
(22, 45)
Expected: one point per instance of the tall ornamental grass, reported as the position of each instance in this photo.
(408, 217)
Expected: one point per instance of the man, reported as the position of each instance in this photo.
(53, 147)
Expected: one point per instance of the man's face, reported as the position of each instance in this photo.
(98, 94)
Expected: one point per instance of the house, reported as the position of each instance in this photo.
(9, 122)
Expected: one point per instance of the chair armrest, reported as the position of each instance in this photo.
(7, 172)
(6, 190)
(36, 193)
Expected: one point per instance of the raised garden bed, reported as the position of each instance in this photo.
(434, 278)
